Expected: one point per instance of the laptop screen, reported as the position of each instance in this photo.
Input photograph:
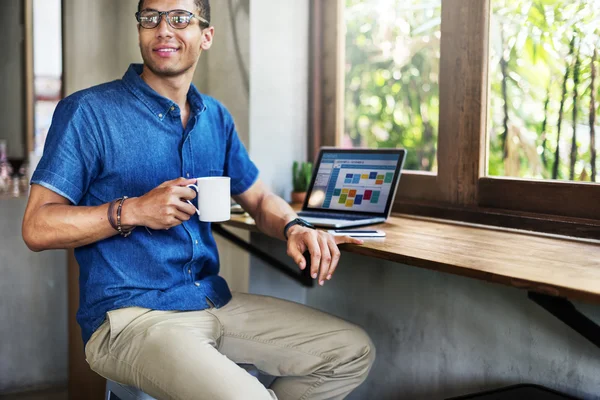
(355, 181)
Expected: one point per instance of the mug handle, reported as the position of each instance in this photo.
(196, 188)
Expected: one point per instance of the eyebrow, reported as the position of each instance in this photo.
(175, 9)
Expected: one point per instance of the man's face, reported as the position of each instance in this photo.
(167, 51)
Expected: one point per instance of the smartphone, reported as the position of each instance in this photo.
(358, 233)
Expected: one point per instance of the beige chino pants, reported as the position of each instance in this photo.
(193, 355)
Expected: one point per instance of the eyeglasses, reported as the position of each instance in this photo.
(178, 19)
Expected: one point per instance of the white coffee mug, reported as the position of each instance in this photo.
(214, 198)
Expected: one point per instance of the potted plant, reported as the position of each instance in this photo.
(301, 176)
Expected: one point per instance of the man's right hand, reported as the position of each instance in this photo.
(161, 208)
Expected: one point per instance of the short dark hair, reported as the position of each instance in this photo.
(202, 5)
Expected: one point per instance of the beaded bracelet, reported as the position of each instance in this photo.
(122, 231)
(111, 220)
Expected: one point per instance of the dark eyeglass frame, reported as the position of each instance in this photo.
(138, 15)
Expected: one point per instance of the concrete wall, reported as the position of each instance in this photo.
(12, 73)
(439, 335)
(442, 335)
(99, 47)
(33, 304)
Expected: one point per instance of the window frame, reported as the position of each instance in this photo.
(460, 190)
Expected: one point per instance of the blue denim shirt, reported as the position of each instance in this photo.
(124, 139)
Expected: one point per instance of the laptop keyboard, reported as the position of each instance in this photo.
(349, 217)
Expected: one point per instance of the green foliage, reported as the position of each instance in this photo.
(392, 64)
(392, 82)
(534, 38)
(301, 176)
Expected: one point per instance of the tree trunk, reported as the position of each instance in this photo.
(544, 127)
(593, 116)
(504, 69)
(561, 110)
(576, 71)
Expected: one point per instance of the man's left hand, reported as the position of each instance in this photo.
(323, 248)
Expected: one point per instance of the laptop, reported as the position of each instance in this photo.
(352, 187)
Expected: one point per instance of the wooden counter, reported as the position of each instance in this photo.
(558, 266)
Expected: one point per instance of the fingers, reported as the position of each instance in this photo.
(184, 193)
(181, 216)
(179, 192)
(325, 258)
(178, 182)
(295, 251)
(184, 182)
(324, 252)
(347, 239)
(335, 257)
(311, 242)
(185, 207)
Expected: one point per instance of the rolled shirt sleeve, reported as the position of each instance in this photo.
(71, 158)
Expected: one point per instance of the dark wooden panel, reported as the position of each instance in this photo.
(579, 200)
(315, 110)
(565, 226)
(463, 99)
(28, 83)
(332, 60)
(418, 186)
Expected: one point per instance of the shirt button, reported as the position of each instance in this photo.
(172, 108)
(160, 115)
(196, 242)
(188, 174)
(189, 271)
(197, 284)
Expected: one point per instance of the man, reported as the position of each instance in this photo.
(153, 310)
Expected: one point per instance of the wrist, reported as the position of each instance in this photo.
(129, 217)
(294, 229)
(296, 223)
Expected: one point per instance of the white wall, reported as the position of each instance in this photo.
(279, 32)
(47, 37)
(278, 88)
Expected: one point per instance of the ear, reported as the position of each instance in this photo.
(208, 35)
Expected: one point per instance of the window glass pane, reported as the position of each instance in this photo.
(544, 87)
(392, 74)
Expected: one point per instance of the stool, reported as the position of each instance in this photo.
(117, 391)
(518, 392)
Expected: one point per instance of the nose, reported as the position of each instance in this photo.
(163, 30)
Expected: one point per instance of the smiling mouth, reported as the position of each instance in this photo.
(166, 51)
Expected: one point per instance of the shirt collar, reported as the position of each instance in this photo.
(159, 106)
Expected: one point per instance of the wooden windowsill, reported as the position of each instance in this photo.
(549, 264)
